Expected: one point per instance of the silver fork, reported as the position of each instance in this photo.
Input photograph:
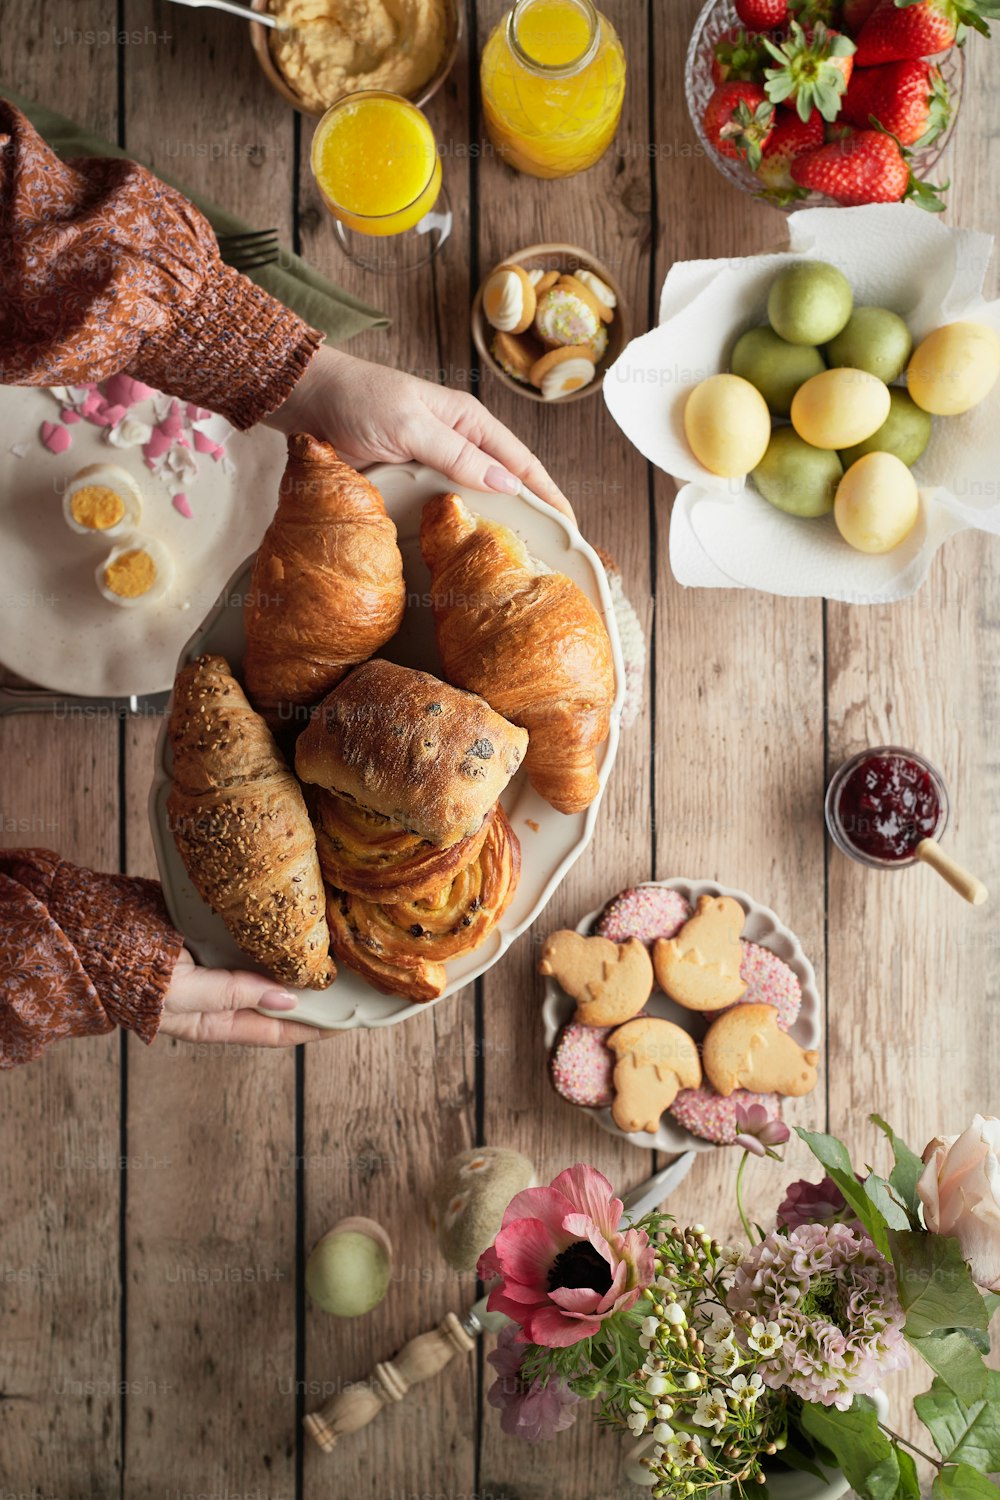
(28, 700)
(264, 17)
(256, 247)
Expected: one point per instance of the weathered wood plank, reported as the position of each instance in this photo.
(59, 1173)
(211, 1241)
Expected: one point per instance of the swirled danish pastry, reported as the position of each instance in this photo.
(401, 948)
(372, 856)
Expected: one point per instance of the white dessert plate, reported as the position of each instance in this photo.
(762, 926)
(55, 628)
(550, 841)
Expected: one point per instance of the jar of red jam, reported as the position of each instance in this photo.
(882, 803)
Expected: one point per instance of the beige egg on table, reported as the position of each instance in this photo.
(728, 425)
(840, 408)
(954, 368)
(877, 503)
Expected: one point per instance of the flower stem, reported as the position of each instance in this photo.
(739, 1197)
(907, 1444)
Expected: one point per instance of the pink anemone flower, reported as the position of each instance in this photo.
(563, 1264)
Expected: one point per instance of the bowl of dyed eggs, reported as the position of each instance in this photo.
(549, 320)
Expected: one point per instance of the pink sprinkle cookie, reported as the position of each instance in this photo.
(708, 1115)
(646, 912)
(769, 981)
(582, 1066)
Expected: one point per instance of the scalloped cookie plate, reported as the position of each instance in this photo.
(762, 926)
(551, 842)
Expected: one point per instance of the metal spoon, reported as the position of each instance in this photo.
(264, 17)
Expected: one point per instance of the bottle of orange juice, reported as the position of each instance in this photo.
(553, 81)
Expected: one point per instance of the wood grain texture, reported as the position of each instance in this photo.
(211, 1233)
(383, 1110)
(60, 1356)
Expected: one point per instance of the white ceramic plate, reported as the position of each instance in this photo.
(550, 841)
(762, 927)
(55, 629)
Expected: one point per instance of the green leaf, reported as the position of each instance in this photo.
(885, 1200)
(906, 1173)
(796, 1459)
(833, 1155)
(957, 1360)
(936, 1289)
(963, 1483)
(861, 1449)
(992, 1300)
(909, 1483)
(965, 1434)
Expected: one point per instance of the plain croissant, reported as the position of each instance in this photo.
(527, 640)
(240, 824)
(327, 588)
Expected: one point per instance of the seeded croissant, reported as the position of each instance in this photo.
(240, 824)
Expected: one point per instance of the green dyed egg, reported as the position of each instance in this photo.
(349, 1269)
(470, 1196)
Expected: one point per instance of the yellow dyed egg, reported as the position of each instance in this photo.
(727, 425)
(954, 368)
(840, 408)
(877, 503)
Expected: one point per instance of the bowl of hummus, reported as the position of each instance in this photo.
(327, 48)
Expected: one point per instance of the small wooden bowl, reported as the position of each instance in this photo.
(554, 257)
(259, 40)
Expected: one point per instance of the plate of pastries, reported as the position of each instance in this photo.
(388, 741)
(675, 1004)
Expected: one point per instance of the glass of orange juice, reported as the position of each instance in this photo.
(376, 163)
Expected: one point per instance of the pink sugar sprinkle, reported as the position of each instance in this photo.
(69, 415)
(180, 502)
(55, 437)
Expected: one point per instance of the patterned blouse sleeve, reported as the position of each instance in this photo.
(80, 953)
(105, 269)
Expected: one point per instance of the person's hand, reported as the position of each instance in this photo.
(374, 414)
(214, 1005)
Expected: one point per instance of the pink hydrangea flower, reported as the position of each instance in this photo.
(563, 1264)
(834, 1299)
(528, 1410)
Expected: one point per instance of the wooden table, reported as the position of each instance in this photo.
(157, 1205)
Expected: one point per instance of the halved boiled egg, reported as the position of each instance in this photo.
(140, 571)
(102, 500)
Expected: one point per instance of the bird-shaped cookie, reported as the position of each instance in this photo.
(745, 1050)
(656, 1059)
(610, 982)
(700, 967)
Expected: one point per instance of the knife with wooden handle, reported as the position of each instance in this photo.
(428, 1353)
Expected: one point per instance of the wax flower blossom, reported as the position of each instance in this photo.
(563, 1264)
(833, 1298)
(530, 1409)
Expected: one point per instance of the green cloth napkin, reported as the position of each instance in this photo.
(294, 283)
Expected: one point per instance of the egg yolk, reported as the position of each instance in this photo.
(131, 575)
(97, 506)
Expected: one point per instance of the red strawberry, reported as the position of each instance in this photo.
(868, 167)
(738, 56)
(762, 15)
(813, 70)
(855, 14)
(790, 138)
(738, 121)
(901, 28)
(907, 98)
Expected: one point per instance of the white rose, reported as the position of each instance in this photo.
(960, 1191)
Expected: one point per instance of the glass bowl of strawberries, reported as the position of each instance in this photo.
(811, 102)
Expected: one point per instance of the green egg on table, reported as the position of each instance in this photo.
(727, 425)
(874, 339)
(796, 477)
(809, 302)
(877, 503)
(349, 1269)
(774, 366)
(840, 408)
(905, 432)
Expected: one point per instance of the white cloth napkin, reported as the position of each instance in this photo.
(722, 533)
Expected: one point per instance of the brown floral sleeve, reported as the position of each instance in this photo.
(80, 953)
(103, 268)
